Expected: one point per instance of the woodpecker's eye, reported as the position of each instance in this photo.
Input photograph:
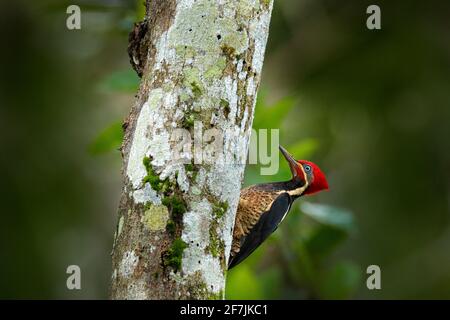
(307, 168)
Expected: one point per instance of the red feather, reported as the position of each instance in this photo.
(319, 182)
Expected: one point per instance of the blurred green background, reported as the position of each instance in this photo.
(372, 108)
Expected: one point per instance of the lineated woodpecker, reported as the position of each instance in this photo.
(263, 207)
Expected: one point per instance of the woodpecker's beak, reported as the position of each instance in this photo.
(293, 165)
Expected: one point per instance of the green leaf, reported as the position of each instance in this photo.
(273, 116)
(323, 239)
(140, 11)
(270, 280)
(243, 284)
(109, 139)
(340, 282)
(329, 215)
(123, 81)
(304, 149)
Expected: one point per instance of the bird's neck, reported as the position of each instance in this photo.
(295, 188)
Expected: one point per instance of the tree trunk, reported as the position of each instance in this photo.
(201, 64)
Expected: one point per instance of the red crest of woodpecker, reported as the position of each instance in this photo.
(263, 207)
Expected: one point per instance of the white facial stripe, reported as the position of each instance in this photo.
(305, 176)
(299, 191)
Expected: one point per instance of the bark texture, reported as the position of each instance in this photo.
(201, 64)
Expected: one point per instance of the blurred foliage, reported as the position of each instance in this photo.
(271, 117)
(121, 81)
(109, 139)
(328, 215)
(372, 108)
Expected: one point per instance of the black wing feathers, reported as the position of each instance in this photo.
(265, 226)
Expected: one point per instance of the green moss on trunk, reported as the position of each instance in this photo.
(174, 256)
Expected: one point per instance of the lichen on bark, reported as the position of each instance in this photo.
(203, 69)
